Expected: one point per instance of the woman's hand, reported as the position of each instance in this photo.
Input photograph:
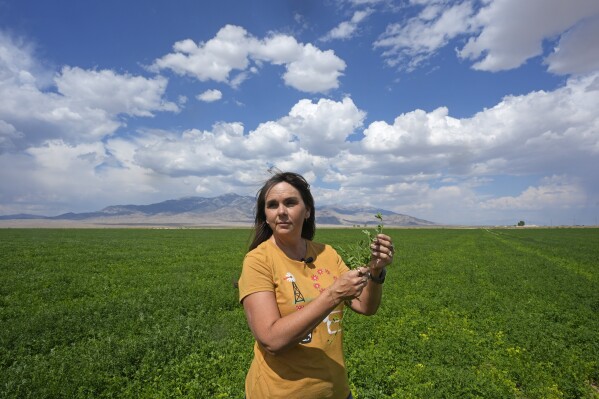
(382, 253)
(349, 285)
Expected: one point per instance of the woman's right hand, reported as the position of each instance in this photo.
(349, 285)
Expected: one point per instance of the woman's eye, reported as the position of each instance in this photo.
(287, 203)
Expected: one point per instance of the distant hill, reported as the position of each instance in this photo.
(353, 216)
(225, 210)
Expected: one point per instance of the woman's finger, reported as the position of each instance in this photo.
(385, 241)
(382, 250)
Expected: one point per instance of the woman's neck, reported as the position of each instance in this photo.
(294, 249)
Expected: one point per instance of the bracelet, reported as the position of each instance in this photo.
(381, 278)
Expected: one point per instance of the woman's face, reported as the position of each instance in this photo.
(285, 210)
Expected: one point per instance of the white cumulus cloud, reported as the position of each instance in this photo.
(213, 60)
(210, 96)
(514, 136)
(578, 49)
(76, 106)
(408, 44)
(309, 133)
(513, 31)
(499, 34)
(347, 29)
(553, 192)
(114, 93)
(308, 68)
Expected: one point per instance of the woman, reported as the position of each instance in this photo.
(293, 291)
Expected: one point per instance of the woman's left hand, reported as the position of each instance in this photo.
(382, 252)
(381, 256)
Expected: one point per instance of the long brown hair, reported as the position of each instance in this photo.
(262, 230)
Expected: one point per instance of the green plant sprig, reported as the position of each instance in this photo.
(358, 254)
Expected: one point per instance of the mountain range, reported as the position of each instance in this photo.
(225, 210)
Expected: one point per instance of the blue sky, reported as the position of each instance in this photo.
(459, 112)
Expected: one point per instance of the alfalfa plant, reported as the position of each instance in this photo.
(358, 254)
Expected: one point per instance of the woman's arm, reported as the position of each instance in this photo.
(277, 334)
(382, 255)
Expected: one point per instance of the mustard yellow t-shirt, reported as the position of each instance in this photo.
(315, 368)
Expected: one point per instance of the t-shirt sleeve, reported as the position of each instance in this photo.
(256, 275)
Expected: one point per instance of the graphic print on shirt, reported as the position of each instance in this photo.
(297, 294)
(333, 321)
(297, 298)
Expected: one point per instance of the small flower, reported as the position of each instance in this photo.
(317, 286)
(320, 271)
(314, 277)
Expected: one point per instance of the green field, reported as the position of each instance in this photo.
(134, 313)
